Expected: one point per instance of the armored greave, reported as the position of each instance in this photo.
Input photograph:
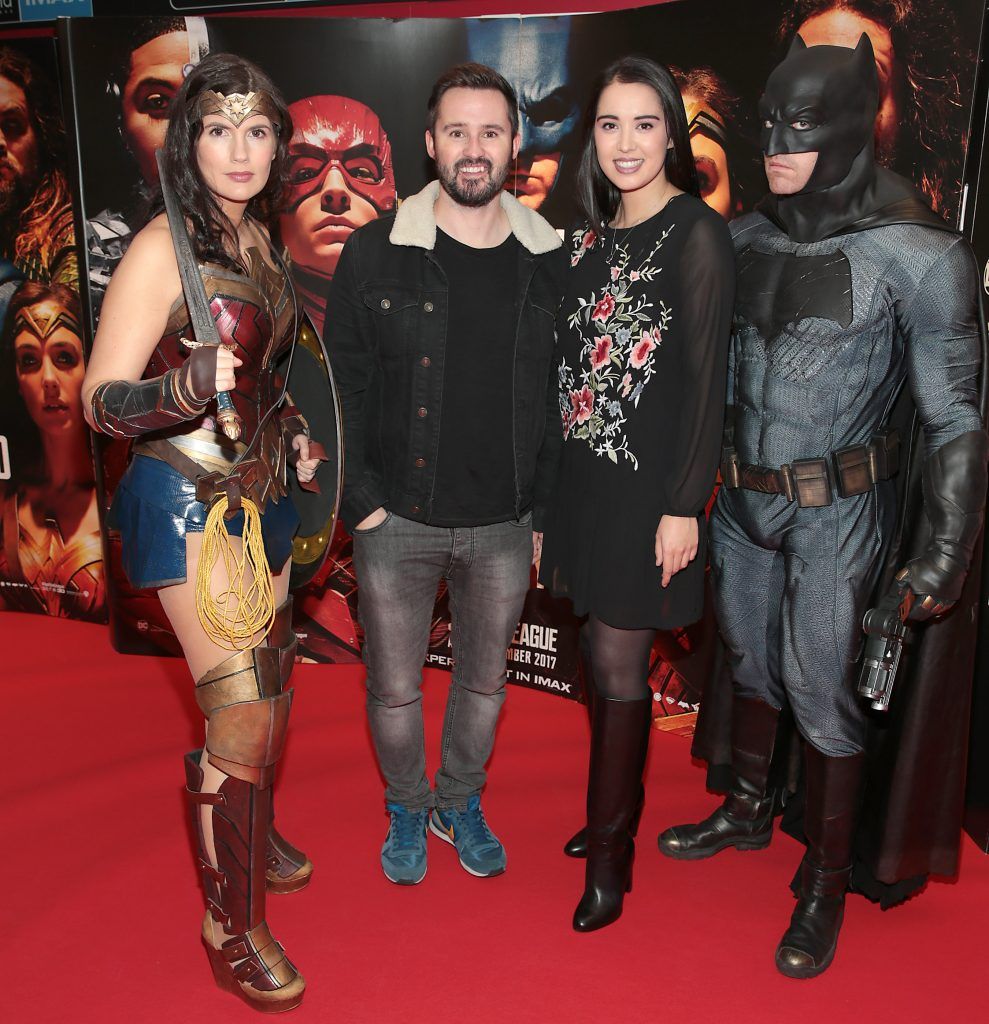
(248, 717)
(833, 786)
(288, 868)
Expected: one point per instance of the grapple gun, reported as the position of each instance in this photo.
(887, 634)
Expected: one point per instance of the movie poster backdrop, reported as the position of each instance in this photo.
(357, 90)
(51, 551)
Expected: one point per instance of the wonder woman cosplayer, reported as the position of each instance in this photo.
(205, 516)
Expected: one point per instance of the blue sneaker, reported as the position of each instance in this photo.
(480, 850)
(403, 856)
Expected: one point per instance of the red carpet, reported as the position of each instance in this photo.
(102, 913)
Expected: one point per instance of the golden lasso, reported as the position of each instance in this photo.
(233, 617)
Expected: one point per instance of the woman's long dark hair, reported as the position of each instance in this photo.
(213, 237)
(597, 197)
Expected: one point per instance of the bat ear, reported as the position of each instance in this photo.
(796, 46)
(863, 55)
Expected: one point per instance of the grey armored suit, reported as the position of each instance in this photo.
(826, 335)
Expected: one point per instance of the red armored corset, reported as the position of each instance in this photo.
(255, 315)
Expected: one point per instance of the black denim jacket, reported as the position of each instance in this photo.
(386, 337)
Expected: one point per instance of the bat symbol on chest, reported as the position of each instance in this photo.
(779, 289)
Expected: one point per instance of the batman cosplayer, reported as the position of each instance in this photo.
(853, 299)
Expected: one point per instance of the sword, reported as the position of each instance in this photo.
(203, 327)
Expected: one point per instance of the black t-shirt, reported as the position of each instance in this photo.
(475, 470)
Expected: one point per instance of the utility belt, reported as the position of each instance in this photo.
(218, 466)
(814, 483)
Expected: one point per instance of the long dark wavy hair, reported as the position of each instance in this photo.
(930, 59)
(213, 237)
(597, 197)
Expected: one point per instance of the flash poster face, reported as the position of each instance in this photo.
(358, 90)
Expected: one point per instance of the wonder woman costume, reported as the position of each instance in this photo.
(181, 464)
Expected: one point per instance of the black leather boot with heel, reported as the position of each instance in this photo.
(619, 741)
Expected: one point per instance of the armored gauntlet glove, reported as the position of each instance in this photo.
(125, 408)
(954, 499)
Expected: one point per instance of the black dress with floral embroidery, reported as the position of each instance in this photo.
(642, 354)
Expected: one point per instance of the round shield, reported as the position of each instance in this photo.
(310, 383)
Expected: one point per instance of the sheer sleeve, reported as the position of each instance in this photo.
(707, 276)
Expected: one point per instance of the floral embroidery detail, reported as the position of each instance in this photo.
(621, 331)
(643, 349)
(604, 308)
(602, 350)
(582, 241)
(583, 404)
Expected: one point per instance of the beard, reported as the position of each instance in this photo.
(14, 196)
(10, 196)
(476, 191)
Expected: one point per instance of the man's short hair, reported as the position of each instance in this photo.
(472, 76)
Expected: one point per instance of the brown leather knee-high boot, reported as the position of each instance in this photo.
(248, 717)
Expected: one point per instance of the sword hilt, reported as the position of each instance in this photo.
(226, 414)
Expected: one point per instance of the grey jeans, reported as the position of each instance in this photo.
(399, 565)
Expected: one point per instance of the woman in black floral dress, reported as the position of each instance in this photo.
(643, 349)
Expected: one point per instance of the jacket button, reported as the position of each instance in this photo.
(425, 361)
(386, 303)
(421, 412)
(415, 510)
(420, 463)
(428, 307)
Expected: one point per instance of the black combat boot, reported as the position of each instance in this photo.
(745, 819)
(832, 787)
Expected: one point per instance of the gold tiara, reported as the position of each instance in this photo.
(237, 106)
(43, 325)
(706, 122)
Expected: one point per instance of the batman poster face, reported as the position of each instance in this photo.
(821, 99)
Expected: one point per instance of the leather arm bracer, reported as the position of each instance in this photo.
(954, 482)
(123, 408)
(292, 422)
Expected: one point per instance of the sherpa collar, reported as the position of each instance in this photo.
(415, 223)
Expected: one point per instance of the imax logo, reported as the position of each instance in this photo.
(47, 10)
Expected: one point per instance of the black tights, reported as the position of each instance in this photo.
(619, 659)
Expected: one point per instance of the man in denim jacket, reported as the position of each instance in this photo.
(440, 329)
